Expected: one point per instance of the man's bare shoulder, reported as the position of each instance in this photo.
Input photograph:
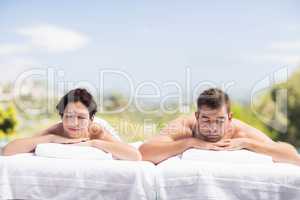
(182, 121)
(187, 120)
(179, 128)
(244, 130)
(241, 128)
(236, 127)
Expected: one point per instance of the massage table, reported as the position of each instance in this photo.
(26, 176)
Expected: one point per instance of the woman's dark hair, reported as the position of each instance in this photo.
(213, 98)
(78, 95)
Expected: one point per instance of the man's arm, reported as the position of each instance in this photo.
(279, 151)
(173, 140)
(254, 140)
(161, 148)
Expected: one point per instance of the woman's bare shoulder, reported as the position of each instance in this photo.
(56, 129)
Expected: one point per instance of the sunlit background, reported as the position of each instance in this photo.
(251, 46)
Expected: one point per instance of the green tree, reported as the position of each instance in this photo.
(289, 115)
(245, 114)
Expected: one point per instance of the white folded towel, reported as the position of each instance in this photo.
(55, 150)
(238, 156)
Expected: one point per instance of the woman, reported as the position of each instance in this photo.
(77, 110)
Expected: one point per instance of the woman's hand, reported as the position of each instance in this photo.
(63, 140)
(88, 143)
(95, 131)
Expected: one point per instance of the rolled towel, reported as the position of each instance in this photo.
(54, 150)
(238, 156)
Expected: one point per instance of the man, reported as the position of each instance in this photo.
(213, 128)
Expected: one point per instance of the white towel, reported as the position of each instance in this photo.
(238, 156)
(54, 150)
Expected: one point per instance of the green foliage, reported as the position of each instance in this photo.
(286, 115)
(8, 120)
(245, 114)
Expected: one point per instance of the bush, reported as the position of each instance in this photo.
(8, 120)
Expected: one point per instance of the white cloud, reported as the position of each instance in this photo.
(286, 45)
(12, 49)
(274, 58)
(45, 37)
(282, 58)
(285, 52)
(13, 66)
(17, 57)
(54, 39)
(279, 53)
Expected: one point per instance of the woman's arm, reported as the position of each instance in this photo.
(102, 139)
(27, 145)
(24, 145)
(119, 150)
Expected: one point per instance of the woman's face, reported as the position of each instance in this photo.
(76, 120)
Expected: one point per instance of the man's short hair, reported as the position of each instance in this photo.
(78, 95)
(213, 98)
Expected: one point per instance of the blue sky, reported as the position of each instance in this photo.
(220, 41)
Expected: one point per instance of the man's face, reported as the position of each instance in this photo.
(76, 120)
(212, 124)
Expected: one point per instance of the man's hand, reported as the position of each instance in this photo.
(232, 144)
(64, 140)
(200, 144)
